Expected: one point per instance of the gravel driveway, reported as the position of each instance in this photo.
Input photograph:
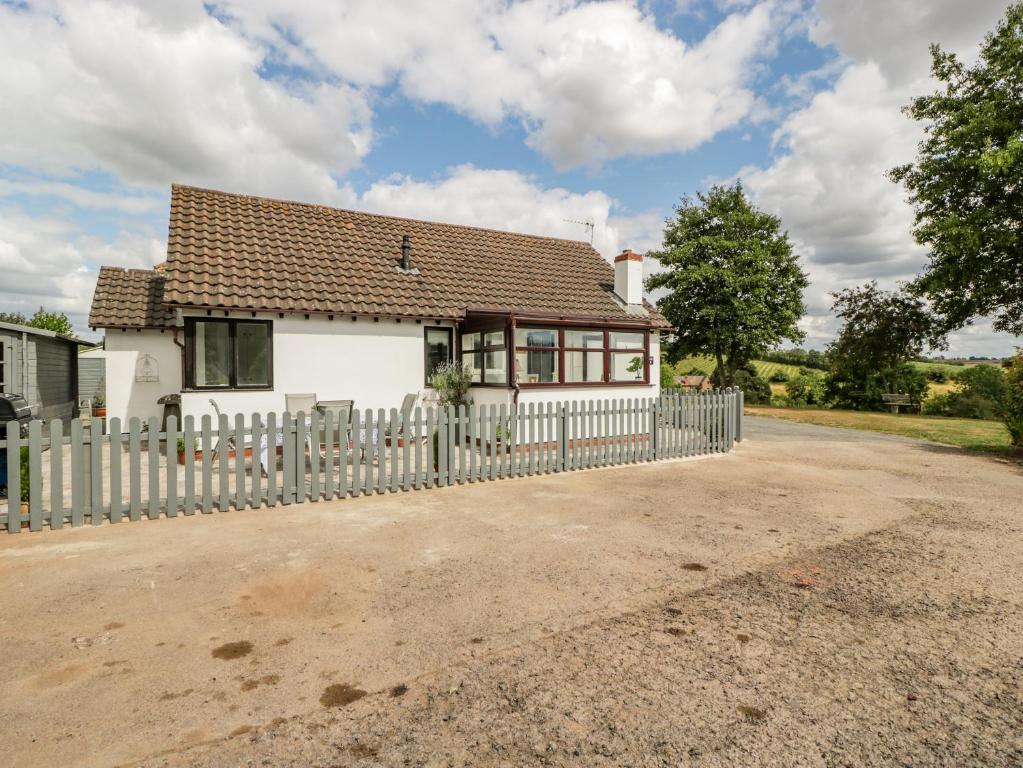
(819, 597)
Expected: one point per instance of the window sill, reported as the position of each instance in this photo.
(199, 390)
(583, 384)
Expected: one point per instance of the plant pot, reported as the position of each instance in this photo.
(99, 411)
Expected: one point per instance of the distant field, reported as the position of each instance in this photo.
(973, 434)
(766, 368)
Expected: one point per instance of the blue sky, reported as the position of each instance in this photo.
(519, 116)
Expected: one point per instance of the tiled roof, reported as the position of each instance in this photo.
(237, 252)
(129, 298)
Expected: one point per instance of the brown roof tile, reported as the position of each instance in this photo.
(238, 252)
(129, 298)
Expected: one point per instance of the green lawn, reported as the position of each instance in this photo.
(973, 434)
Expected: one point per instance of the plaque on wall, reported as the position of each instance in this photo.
(147, 369)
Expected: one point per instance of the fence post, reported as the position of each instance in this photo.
(35, 482)
(739, 400)
(13, 477)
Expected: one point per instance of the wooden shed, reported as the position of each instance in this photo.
(42, 367)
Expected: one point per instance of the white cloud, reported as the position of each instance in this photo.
(589, 80)
(154, 94)
(509, 200)
(828, 180)
(49, 262)
(896, 35)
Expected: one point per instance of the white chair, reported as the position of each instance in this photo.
(305, 402)
(220, 438)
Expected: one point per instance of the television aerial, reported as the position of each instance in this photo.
(588, 223)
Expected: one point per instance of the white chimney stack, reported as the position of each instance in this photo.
(629, 277)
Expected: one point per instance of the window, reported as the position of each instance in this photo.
(229, 354)
(579, 356)
(627, 354)
(486, 355)
(438, 349)
(536, 355)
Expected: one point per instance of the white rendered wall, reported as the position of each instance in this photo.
(373, 363)
(127, 397)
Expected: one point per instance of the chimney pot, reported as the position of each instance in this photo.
(629, 277)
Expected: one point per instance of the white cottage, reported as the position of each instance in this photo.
(260, 298)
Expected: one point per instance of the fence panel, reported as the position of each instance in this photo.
(314, 457)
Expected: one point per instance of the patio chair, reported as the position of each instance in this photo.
(408, 403)
(341, 410)
(305, 402)
(229, 440)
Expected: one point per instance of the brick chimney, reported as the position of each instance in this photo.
(629, 277)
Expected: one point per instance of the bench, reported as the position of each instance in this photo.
(896, 401)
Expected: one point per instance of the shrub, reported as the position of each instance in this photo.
(780, 376)
(937, 376)
(668, 375)
(756, 389)
(1012, 411)
(805, 389)
(982, 394)
(452, 382)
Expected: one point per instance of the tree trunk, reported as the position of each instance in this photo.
(727, 376)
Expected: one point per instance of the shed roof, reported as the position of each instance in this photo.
(17, 328)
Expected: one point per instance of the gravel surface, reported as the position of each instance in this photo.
(810, 600)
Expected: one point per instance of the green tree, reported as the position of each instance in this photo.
(57, 322)
(966, 185)
(883, 332)
(51, 321)
(735, 288)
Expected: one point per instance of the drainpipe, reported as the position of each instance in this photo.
(181, 346)
(511, 365)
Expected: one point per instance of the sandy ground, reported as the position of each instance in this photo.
(819, 597)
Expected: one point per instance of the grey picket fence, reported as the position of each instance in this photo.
(88, 476)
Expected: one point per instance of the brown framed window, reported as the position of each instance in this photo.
(228, 354)
(485, 353)
(555, 356)
(438, 349)
(627, 350)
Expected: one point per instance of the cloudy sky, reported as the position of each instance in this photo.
(526, 115)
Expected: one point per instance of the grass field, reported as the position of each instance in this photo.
(764, 368)
(973, 434)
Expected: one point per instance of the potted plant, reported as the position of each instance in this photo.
(182, 447)
(99, 407)
(452, 382)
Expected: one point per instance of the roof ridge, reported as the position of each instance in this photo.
(155, 272)
(392, 217)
